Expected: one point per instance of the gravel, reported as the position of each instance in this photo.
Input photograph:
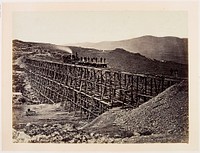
(166, 116)
(56, 133)
(162, 119)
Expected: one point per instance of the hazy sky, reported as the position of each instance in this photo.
(87, 26)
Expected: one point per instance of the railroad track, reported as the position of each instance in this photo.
(92, 90)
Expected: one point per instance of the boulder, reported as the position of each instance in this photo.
(21, 137)
(45, 125)
(57, 126)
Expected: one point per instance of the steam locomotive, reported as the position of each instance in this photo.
(85, 61)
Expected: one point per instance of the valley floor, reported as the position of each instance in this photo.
(163, 119)
(52, 125)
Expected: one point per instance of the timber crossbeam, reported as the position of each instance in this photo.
(92, 90)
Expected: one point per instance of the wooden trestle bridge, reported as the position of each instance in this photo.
(91, 90)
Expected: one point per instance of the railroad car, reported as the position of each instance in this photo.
(85, 61)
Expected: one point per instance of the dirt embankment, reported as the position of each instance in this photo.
(162, 119)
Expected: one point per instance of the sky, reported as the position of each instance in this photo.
(67, 27)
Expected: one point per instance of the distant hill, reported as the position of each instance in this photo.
(159, 48)
(122, 60)
(42, 50)
(117, 59)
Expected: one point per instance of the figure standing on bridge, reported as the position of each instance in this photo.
(85, 59)
(174, 72)
(101, 60)
(76, 55)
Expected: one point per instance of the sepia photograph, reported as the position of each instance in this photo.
(100, 76)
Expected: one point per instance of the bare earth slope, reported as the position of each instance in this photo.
(162, 119)
(120, 59)
(160, 48)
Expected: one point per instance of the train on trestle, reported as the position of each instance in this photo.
(85, 61)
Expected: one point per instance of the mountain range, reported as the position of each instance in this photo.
(117, 59)
(122, 60)
(160, 48)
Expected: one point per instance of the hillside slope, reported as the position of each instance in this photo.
(165, 117)
(159, 48)
(39, 50)
(122, 60)
(118, 59)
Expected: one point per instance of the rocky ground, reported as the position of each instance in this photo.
(162, 119)
(57, 133)
(51, 124)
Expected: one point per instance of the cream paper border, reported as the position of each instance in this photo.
(190, 7)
